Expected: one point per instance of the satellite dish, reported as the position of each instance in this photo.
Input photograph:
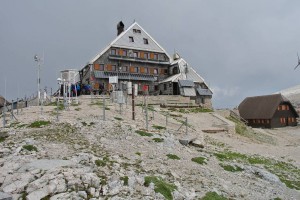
(298, 62)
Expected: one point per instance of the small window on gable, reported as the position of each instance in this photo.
(131, 39)
(145, 41)
(136, 30)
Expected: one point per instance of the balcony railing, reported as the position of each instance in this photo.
(135, 59)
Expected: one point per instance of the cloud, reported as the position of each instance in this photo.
(225, 92)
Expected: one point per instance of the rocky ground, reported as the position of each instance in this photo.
(81, 156)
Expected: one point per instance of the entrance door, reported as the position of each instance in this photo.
(175, 89)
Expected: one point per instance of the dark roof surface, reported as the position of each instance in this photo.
(186, 83)
(204, 92)
(262, 107)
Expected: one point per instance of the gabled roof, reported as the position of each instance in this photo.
(186, 72)
(122, 41)
(262, 107)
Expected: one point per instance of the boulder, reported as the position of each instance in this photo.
(82, 194)
(197, 143)
(4, 196)
(38, 194)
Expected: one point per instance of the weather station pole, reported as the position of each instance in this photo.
(132, 97)
(40, 101)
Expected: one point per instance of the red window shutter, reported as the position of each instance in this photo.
(152, 56)
(109, 68)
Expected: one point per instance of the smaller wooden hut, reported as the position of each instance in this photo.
(269, 111)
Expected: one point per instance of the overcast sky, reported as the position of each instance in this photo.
(240, 47)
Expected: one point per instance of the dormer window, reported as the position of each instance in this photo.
(131, 39)
(145, 41)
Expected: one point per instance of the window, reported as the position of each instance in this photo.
(135, 69)
(124, 53)
(145, 41)
(165, 71)
(146, 55)
(165, 86)
(124, 68)
(146, 70)
(113, 68)
(155, 56)
(101, 67)
(268, 121)
(131, 39)
(113, 52)
(254, 121)
(135, 54)
(155, 71)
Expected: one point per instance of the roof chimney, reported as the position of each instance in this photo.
(120, 27)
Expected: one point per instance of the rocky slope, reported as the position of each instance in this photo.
(293, 94)
(83, 157)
